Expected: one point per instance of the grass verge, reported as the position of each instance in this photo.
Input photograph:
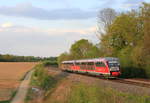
(7, 101)
(41, 83)
(82, 93)
(11, 97)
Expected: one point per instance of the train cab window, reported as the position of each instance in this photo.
(100, 64)
(69, 64)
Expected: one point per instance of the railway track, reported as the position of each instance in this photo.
(133, 82)
(142, 83)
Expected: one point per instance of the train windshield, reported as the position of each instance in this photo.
(113, 64)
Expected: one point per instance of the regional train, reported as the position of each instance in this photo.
(106, 67)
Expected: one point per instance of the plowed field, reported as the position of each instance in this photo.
(10, 76)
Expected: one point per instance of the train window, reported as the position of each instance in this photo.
(113, 64)
(77, 63)
(100, 64)
(83, 65)
(90, 63)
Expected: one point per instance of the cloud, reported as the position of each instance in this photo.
(28, 10)
(129, 6)
(133, 1)
(120, 5)
(132, 4)
(22, 40)
(39, 42)
(7, 25)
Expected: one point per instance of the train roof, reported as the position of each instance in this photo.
(93, 60)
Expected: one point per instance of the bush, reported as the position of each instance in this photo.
(83, 93)
(50, 63)
(41, 78)
(5, 101)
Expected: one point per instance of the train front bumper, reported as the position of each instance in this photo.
(115, 74)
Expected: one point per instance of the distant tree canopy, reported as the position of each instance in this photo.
(80, 49)
(126, 36)
(83, 49)
(14, 58)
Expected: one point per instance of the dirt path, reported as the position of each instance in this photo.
(22, 91)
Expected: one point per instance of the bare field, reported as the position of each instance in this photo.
(10, 75)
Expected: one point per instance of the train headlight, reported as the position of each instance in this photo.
(114, 69)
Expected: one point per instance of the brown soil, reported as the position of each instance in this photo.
(14, 71)
(10, 75)
(60, 94)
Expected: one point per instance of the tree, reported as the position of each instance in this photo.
(14, 58)
(128, 37)
(83, 49)
(121, 33)
(106, 18)
(79, 50)
(145, 17)
(63, 57)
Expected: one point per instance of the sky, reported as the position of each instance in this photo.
(49, 27)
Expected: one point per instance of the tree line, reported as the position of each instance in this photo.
(14, 58)
(124, 35)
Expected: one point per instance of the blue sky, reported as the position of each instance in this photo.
(49, 27)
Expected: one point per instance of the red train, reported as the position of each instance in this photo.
(108, 66)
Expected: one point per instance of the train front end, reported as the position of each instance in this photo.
(114, 67)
